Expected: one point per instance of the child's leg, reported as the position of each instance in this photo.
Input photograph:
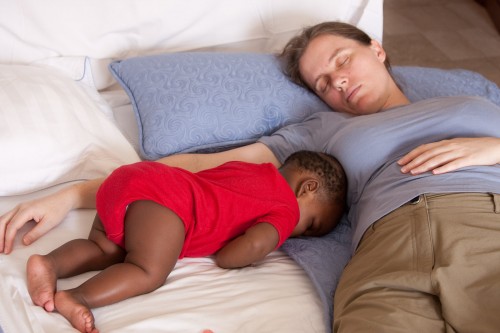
(73, 258)
(154, 237)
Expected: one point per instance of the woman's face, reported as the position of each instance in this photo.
(348, 76)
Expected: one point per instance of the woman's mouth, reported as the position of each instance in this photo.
(351, 93)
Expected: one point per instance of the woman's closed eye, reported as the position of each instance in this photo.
(342, 60)
(323, 85)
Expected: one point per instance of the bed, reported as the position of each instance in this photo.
(91, 85)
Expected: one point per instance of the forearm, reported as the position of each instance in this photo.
(82, 195)
(253, 153)
(47, 211)
(253, 246)
(190, 162)
(239, 254)
(496, 148)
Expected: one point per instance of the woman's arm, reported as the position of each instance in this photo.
(50, 210)
(449, 155)
(254, 245)
(254, 153)
(47, 212)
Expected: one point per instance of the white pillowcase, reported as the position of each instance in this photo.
(52, 131)
(34, 30)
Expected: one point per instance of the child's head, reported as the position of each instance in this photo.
(320, 186)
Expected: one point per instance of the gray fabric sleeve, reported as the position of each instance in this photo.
(295, 137)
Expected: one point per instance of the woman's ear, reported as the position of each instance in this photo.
(308, 186)
(379, 50)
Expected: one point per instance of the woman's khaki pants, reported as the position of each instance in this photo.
(432, 265)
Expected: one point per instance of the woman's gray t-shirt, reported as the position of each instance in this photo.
(369, 147)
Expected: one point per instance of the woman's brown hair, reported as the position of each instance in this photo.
(294, 49)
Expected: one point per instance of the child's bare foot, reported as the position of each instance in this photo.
(77, 313)
(41, 281)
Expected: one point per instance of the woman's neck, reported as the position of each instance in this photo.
(396, 98)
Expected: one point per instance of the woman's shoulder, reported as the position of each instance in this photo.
(444, 103)
(456, 100)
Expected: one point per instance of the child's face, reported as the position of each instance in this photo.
(317, 218)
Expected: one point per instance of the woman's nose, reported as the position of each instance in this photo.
(340, 83)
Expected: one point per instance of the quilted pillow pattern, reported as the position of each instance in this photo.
(205, 102)
(420, 83)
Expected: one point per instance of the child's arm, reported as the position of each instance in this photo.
(256, 243)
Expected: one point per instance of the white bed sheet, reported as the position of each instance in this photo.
(274, 295)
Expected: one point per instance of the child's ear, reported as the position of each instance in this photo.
(308, 186)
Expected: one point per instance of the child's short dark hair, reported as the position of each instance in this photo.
(327, 168)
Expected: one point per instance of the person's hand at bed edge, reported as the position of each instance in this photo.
(47, 212)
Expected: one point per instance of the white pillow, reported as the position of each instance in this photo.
(34, 30)
(52, 132)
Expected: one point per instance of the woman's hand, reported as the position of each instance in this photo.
(449, 155)
(47, 212)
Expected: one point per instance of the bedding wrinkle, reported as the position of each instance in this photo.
(68, 125)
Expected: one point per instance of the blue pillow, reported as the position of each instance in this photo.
(323, 259)
(205, 102)
(422, 83)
